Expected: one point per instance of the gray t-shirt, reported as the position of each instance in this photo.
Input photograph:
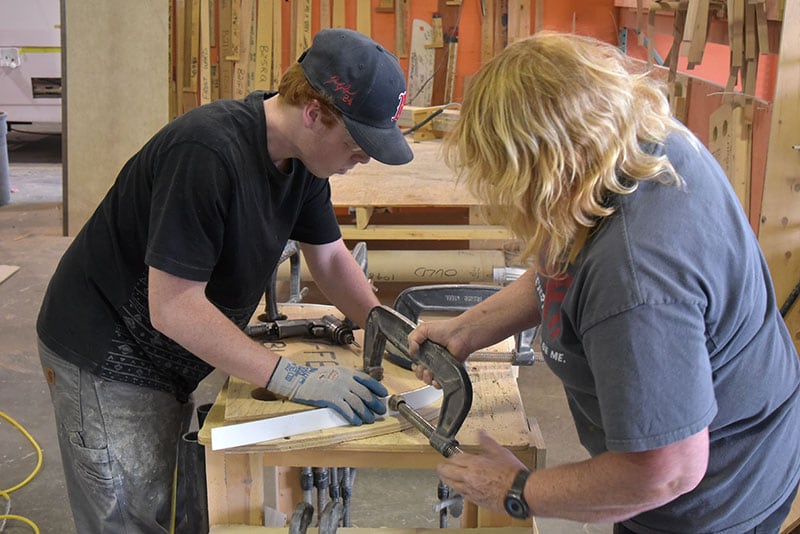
(667, 323)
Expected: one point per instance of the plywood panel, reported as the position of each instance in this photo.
(116, 93)
(779, 233)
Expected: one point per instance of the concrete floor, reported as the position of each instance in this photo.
(31, 238)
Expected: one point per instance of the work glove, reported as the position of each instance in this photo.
(351, 393)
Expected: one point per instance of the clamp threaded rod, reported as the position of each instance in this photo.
(447, 448)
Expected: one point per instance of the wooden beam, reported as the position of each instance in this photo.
(524, 18)
(242, 64)
(695, 31)
(324, 14)
(192, 50)
(301, 27)
(425, 232)
(402, 19)
(251, 49)
(500, 25)
(205, 52)
(225, 50)
(264, 46)
(487, 32)
(449, 15)
(538, 20)
(277, 43)
(176, 107)
(338, 16)
(364, 17)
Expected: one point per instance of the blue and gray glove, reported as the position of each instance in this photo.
(352, 393)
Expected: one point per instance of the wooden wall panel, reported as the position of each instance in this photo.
(779, 233)
(116, 93)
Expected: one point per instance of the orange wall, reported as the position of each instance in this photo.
(598, 18)
(588, 17)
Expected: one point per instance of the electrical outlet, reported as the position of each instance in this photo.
(9, 57)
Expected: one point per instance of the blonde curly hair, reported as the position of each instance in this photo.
(548, 129)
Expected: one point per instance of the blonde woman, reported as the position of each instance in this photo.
(654, 301)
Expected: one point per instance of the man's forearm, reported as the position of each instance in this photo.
(180, 310)
(341, 280)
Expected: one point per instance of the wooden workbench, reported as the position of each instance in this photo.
(425, 182)
(235, 477)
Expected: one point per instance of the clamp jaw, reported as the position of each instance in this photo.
(456, 298)
(385, 324)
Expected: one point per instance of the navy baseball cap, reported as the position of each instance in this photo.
(366, 84)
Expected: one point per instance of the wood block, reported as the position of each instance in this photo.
(385, 6)
(437, 35)
(694, 32)
(425, 132)
(441, 123)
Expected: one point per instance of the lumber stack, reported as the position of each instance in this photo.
(228, 48)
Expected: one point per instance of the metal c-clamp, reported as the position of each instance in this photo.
(385, 324)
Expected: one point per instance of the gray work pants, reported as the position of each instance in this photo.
(119, 446)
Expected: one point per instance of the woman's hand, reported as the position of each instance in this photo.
(482, 478)
(447, 333)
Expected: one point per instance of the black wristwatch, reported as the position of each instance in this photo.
(514, 502)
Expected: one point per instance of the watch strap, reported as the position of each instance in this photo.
(515, 502)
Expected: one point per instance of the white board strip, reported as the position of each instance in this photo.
(236, 435)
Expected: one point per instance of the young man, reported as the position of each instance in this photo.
(654, 301)
(155, 290)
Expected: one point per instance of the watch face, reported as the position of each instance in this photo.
(516, 507)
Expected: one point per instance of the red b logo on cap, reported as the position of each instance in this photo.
(400, 105)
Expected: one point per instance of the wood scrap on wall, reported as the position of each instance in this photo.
(731, 125)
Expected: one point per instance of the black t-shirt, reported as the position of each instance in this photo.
(201, 200)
